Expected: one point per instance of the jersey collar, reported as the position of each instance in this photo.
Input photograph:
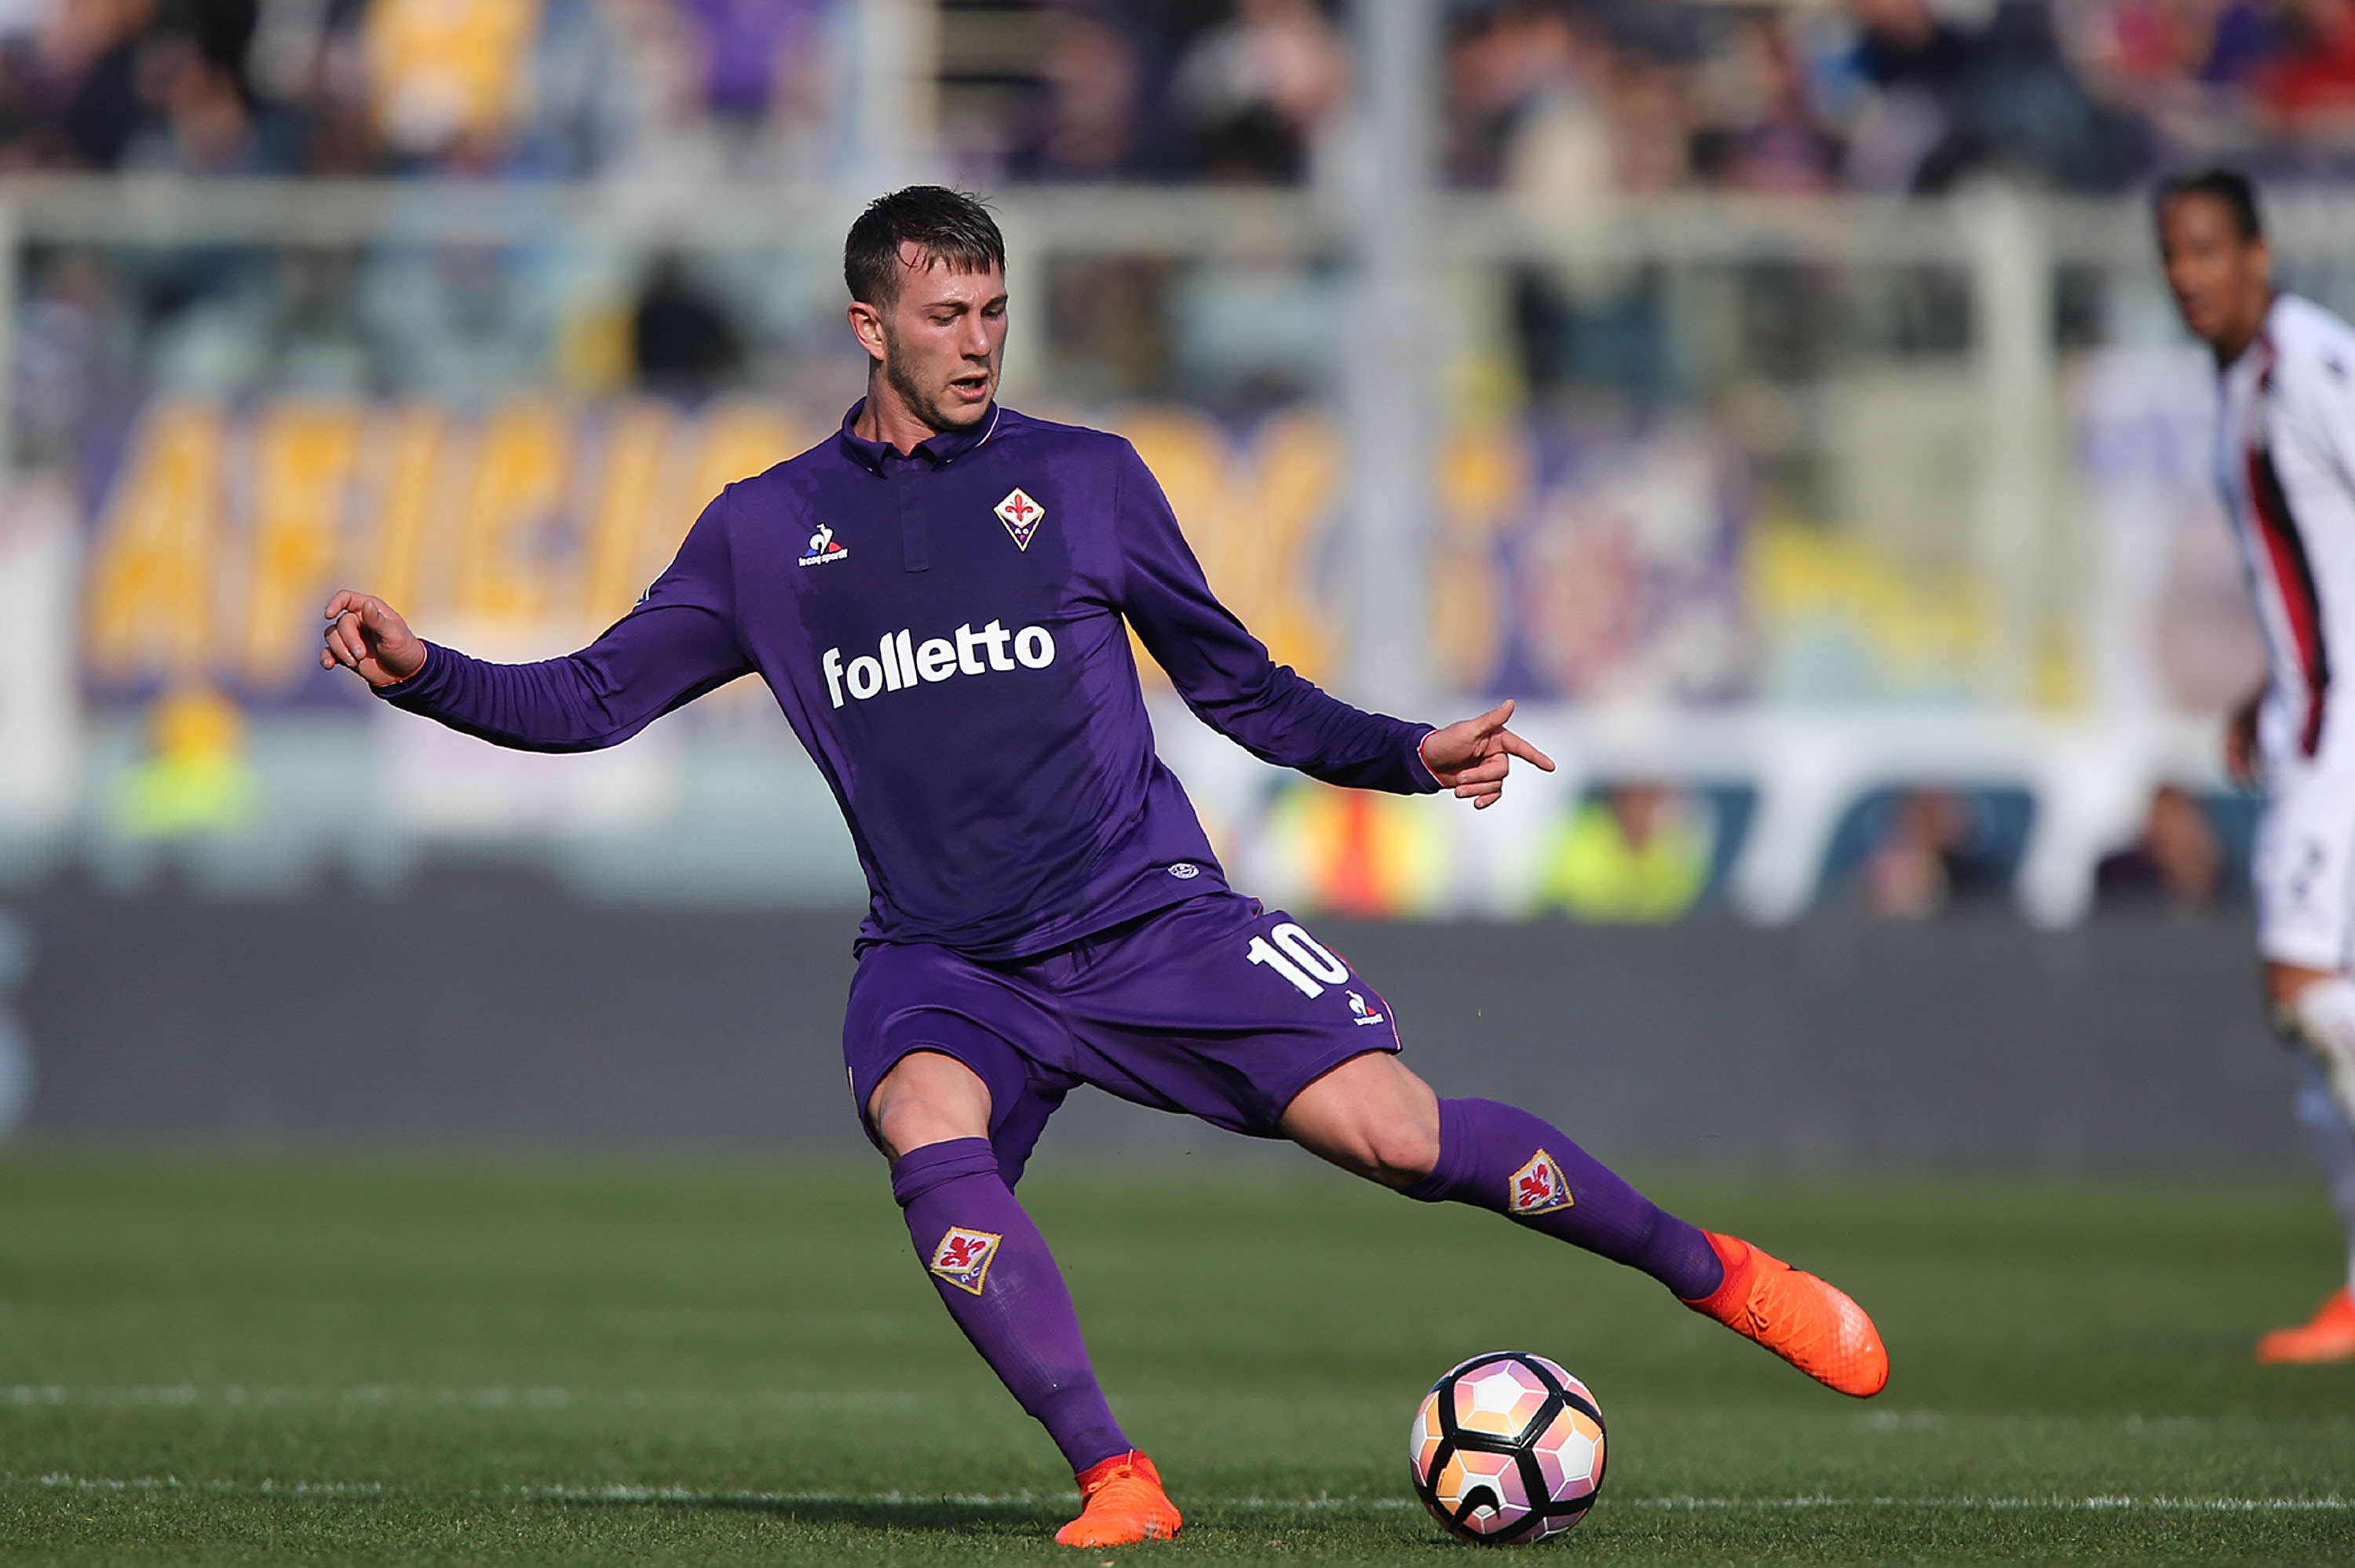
(940, 451)
(2260, 352)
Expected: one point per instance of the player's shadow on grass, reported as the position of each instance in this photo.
(947, 1515)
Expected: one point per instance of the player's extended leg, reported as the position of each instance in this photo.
(2316, 1010)
(1371, 1114)
(1001, 1284)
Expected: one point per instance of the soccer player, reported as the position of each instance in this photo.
(2286, 463)
(941, 596)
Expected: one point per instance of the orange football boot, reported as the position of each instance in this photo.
(1809, 1323)
(2328, 1336)
(1121, 1503)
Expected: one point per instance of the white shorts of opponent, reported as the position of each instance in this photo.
(2304, 861)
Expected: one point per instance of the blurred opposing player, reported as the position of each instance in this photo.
(940, 596)
(2286, 461)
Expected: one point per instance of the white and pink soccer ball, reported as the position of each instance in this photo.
(1507, 1449)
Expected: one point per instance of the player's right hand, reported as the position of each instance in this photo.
(367, 635)
(2242, 762)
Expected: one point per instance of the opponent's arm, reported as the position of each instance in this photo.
(678, 644)
(2242, 764)
(1226, 677)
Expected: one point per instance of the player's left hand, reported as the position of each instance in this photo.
(1472, 756)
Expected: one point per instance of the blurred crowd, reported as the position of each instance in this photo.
(654, 88)
(1646, 851)
(1552, 98)
(1893, 96)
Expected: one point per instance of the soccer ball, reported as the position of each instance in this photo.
(1506, 1450)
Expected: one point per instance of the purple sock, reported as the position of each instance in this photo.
(993, 1268)
(1496, 1157)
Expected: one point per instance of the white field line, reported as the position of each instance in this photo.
(60, 1481)
(1025, 1500)
(264, 1488)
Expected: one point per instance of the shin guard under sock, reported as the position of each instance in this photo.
(1497, 1157)
(1000, 1283)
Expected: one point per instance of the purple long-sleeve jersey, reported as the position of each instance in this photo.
(947, 633)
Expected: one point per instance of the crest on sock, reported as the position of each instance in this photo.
(1538, 1187)
(963, 1257)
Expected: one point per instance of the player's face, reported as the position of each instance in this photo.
(2222, 283)
(942, 340)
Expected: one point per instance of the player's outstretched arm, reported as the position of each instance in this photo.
(1473, 756)
(677, 644)
(369, 637)
(1225, 674)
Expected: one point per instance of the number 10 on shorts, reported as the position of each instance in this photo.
(1299, 957)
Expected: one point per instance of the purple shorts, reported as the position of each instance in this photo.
(1214, 1008)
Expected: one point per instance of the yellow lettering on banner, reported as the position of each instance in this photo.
(635, 440)
(1252, 518)
(738, 439)
(302, 459)
(150, 579)
(1294, 478)
(1484, 483)
(508, 528)
(1188, 453)
(741, 437)
(405, 453)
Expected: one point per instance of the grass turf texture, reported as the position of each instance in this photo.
(303, 1361)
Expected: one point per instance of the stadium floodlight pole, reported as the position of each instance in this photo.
(1388, 398)
(2012, 328)
(896, 91)
(1026, 250)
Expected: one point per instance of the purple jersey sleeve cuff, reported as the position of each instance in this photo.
(429, 682)
(1419, 778)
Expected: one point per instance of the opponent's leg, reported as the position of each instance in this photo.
(999, 1281)
(1372, 1115)
(2316, 1010)
(2302, 874)
(2331, 1140)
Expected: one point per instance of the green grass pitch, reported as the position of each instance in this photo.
(308, 1362)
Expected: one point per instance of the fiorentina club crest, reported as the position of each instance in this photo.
(963, 1257)
(1537, 1186)
(1021, 516)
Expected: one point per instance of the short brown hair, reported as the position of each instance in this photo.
(947, 226)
